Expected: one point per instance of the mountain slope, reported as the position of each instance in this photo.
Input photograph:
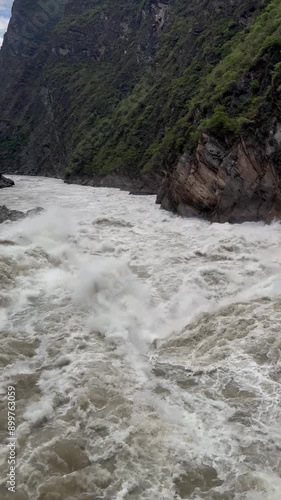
(121, 90)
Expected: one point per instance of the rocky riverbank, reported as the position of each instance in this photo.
(146, 185)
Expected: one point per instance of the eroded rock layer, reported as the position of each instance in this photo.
(235, 185)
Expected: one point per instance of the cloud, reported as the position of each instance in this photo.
(3, 22)
(6, 4)
(3, 27)
(5, 13)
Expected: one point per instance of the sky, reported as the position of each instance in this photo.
(5, 13)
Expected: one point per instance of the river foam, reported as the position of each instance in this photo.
(144, 348)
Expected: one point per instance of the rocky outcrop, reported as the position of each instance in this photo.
(6, 214)
(13, 215)
(5, 182)
(223, 185)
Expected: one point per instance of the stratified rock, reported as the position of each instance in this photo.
(222, 185)
(5, 182)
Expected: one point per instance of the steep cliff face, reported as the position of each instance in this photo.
(28, 136)
(223, 185)
(114, 93)
(69, 66)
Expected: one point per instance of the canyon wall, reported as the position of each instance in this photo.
(144, 93)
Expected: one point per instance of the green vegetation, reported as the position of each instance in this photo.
(11, 145)
(67, 172)
(132, 95)
(221, 123)
(164, 111)
(8, 145)
(72, 22)
(28, 6)
(245, 51)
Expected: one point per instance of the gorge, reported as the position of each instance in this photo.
(140, 349)
(140, 94)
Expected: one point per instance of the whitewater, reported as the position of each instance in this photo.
(144, 349)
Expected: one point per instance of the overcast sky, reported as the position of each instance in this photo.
(5, 12)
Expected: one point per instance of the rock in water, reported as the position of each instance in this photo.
(5, 182)
(13, 215)
(6, 214)
(222, 185)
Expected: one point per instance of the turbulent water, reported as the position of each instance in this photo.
(144, 349)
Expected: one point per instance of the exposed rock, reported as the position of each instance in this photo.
(5, 182)
(147, 185)
(223, 185)
(13, 215)
(6, 214)
(34, 211)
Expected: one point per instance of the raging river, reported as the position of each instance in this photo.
(144, 350)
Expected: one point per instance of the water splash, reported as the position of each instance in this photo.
(144, 349)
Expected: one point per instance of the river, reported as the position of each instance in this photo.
(144, 350)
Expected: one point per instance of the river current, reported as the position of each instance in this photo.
(144, 350)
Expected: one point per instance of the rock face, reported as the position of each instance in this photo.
(28, 136)
(115, 93)
(4, 182)
(219, 184)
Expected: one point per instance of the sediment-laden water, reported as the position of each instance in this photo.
(144, 349)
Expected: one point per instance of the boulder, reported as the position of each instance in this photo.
(13, 215)
(6, 214)
(5, 182)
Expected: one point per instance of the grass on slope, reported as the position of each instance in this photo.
(219, 84)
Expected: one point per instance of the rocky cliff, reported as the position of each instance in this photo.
(223, 185)
(126, 93)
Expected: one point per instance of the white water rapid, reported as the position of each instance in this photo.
(144, 349)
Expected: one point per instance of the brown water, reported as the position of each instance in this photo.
(144, 349)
